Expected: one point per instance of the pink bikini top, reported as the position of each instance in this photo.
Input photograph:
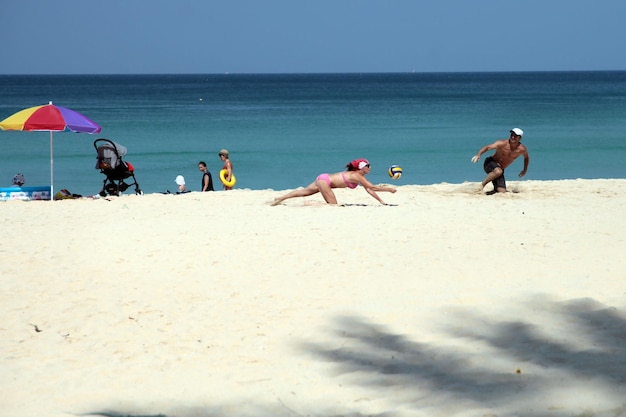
(351, 185)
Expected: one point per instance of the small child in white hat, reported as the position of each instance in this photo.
(180, 181)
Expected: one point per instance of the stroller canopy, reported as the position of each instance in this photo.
(111, 152)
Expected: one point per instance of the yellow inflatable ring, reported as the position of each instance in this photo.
(232, 181)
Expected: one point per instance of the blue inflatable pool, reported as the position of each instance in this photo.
(25, 193)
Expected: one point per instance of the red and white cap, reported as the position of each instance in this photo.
(360, 163)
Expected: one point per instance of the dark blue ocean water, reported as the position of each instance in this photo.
(283, 130)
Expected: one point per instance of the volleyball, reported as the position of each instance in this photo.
(395, 172)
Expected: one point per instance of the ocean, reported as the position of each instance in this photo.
(282, 130)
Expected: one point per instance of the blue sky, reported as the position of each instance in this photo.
(297, 36)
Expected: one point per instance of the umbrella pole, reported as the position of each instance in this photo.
(51, 169)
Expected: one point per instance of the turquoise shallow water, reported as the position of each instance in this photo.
(283, 130)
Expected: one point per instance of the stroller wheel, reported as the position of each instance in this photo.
(102, 193)
(111, 189)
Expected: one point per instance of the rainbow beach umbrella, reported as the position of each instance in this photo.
(50, 118)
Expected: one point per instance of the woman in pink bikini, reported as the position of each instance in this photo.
(353, 176)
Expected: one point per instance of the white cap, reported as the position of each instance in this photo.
(180, 180)
(517, 131)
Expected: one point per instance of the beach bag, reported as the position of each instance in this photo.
(64, 194)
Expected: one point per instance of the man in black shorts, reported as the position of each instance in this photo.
(507, 150)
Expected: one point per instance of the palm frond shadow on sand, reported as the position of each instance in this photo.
(507, 367)
(571, 362)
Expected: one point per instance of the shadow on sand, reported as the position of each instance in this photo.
(571, 363)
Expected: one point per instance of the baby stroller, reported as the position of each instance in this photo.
(110, 164)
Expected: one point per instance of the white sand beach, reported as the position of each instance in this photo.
(451, 303)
